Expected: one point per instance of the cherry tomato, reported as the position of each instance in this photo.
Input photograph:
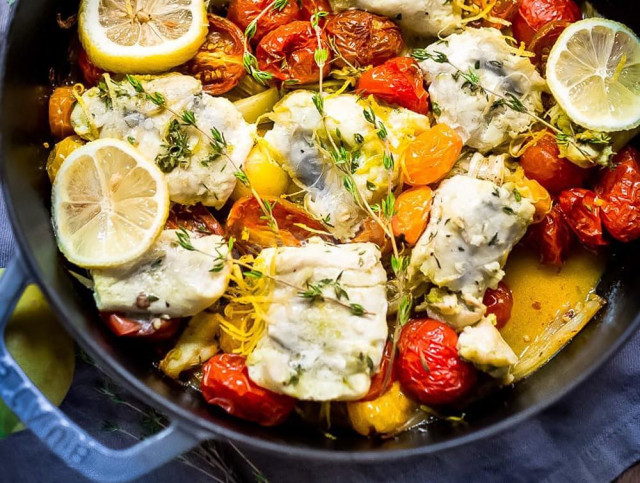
(288, 53)
(363, 38)
(61, 104)
(243, 12)
(503, 9)
(218, 63)
(378, 387)
(430, 156)
(398, 81)
(90, 73)
(412, 214)
(544, 40)
(620, 189)
(247, 224)
(372, 232)
(552, 238)
(582, 212)
(429, 367)
(310, 7)
(535, 14)
(154, 330)
(499, 302)
(542, 163)
(196, 219)
(226, 383)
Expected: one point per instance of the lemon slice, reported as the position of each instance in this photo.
(109, 204)
(594, 73)
(142, 36)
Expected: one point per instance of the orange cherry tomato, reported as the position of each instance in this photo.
(310, 7)
(372, 232)
(429, 367)
(542, 163)
(535, 14)
(412, 214)
(247, 224)
(61, 104)
(582, 211)
(90, 73)
(398, 81)
(288, 53)
(218, 63)
(430, 156)
(499, 302)
(378, 387)
(243, 12)
(544, 40)
(363, 38)
(226, 383)
(152, 329)
(196, 219)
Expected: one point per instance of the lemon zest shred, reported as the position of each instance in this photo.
(77, 91)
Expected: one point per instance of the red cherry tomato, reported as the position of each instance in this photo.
(243, 12)
(503, 9)
(310, 7)
(226, 383)
(582, 212)
(542, 163)
(535, 14)
(154, 329)
(218, 63)
(552, 237)
(544, 40)
(288, 53)
(196, 219)
(620, 190)
(429, 367)
(499, 302)
(378, 387)
(398, 81)
(363, 38)
(90, 73)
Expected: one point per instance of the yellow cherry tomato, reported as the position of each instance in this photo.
(60, 152)
(265, 175)
(384, 415)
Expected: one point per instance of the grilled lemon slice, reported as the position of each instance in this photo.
(109, 204)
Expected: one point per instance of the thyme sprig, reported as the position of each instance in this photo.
(472, 81)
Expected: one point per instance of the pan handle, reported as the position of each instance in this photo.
(73, 445)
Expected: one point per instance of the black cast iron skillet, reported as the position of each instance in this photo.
(36, 43)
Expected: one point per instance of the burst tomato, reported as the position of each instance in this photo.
(430, 156)
(243, 12)
(544, 40)
(378, 380)
(535, 14)
(363, 38)
(248, 225)
(429, 367)
(218, 63)
(154, 329)
(226, 383)
(90, 73)
(503, 9)
(620, 190)
(310, 7)
(499, 302)
(552, 238)
(398, 81)
(412, 214)
(372, 232)
(542, 162)
(582, 212)
(196, 219)
(61, 104)
(288, 53)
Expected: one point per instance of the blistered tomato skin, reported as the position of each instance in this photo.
(218, 63)
(288, 53)
(552, 237)
(398, 81)
(196, 219)
(429, 367)
(499, 302)
(90, 72)
(542, 162)
(363, 38)
(309, 7)
(535, 14)
(385, 374)
(226, 383)
(243, 12)
(619, 188)
(582, 211)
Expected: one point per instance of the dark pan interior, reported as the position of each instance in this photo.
(35, 45)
